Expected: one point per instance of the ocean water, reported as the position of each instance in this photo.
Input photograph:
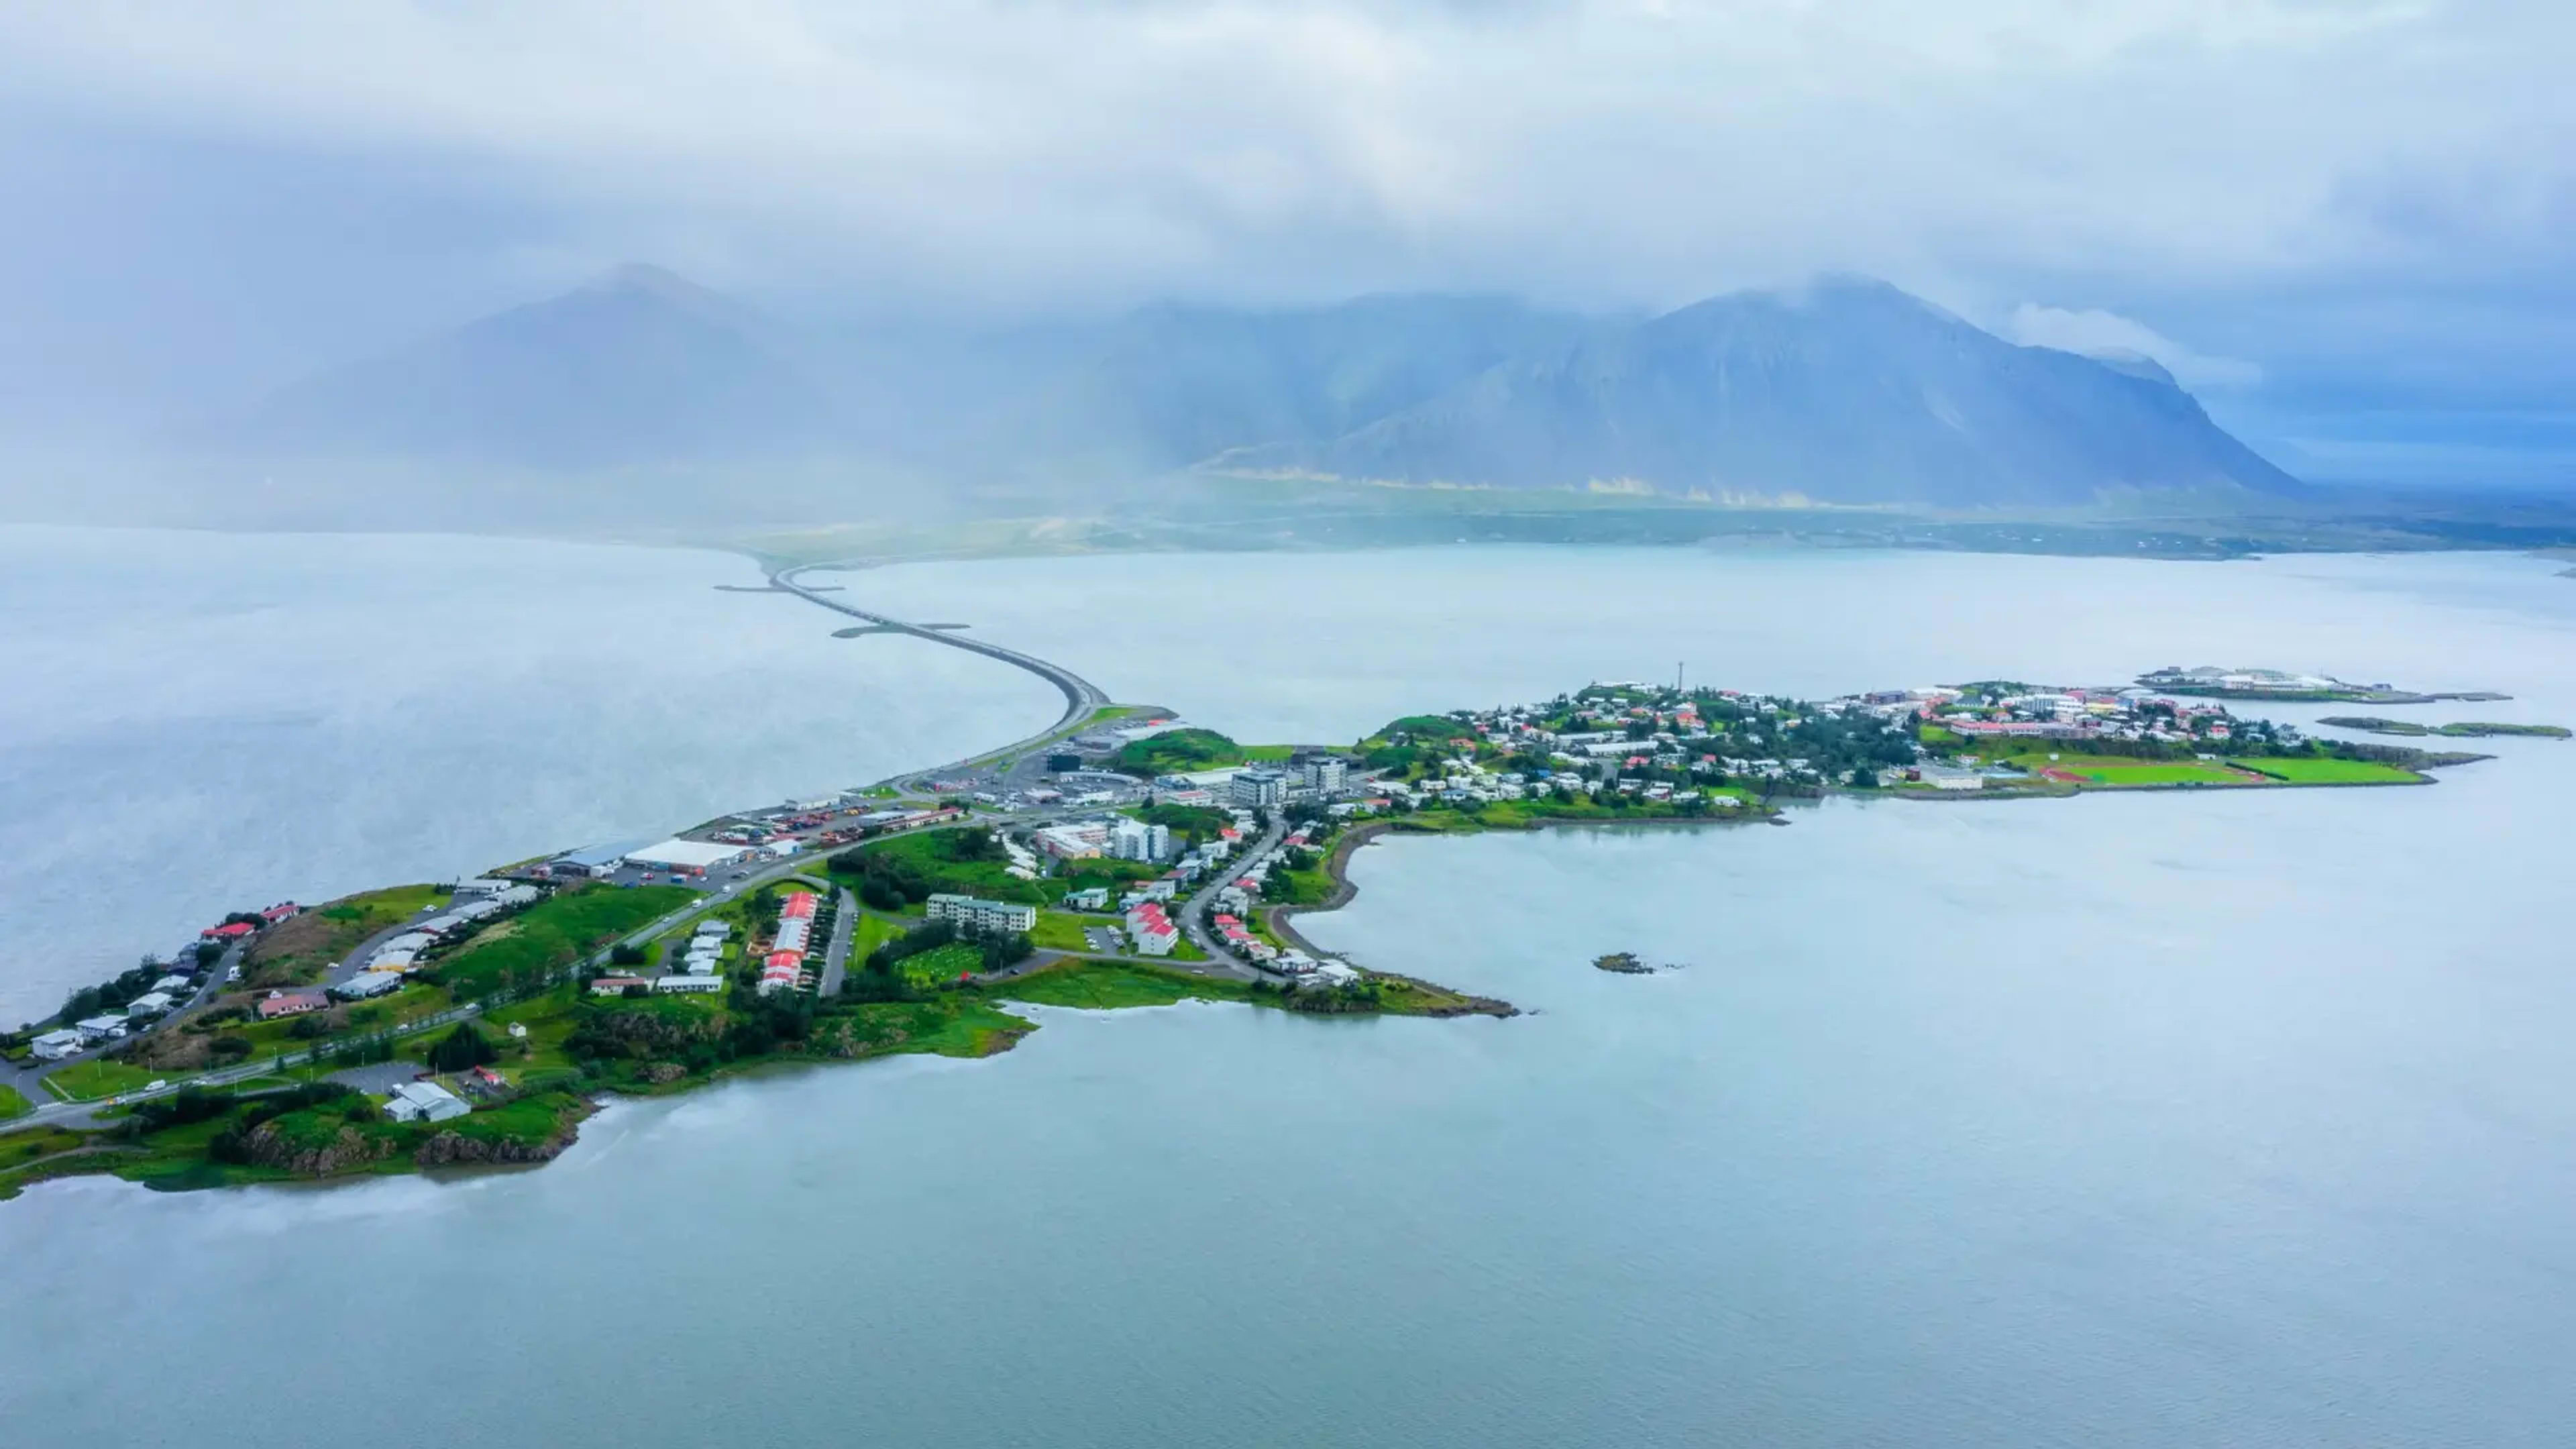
(2140, 1120)
(203, 722)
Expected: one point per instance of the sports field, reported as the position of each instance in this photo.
(2124, 770)
(2158, 772)
(2318, 771)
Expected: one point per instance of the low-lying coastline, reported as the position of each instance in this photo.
(513, 1005)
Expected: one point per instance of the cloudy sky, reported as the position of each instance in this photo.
(2345, 222)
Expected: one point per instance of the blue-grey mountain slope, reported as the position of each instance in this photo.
(1167, 386)
(1852, 392)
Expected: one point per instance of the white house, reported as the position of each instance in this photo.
(150, 1003)
(53, 1046)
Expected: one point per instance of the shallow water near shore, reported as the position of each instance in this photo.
(2187, 1117)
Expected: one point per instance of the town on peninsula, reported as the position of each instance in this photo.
(1122, 857)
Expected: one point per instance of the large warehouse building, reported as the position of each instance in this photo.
(694, 856)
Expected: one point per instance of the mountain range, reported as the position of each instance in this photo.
(1846, 391)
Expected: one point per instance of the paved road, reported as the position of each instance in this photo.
(836, 957)
(1082, 700)
(29, 1080)
(84, 1114)
(1193, 913)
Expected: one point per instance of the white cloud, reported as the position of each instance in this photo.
(2096, 333)
(1660, 149)
(2162, 158)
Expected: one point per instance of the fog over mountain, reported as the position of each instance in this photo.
(638, 366)
(2341, 224)
(1847, 391)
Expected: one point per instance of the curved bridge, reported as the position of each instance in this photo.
(1081, 696)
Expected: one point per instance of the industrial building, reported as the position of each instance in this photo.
(368, 983)
(693, 857)
(425, 1102)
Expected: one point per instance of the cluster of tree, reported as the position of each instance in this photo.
(463, 1049)
(765, 1023)
(881, 977)
(363, 1052)
(233, 1143)
(1833, 743)
(1349, 998)
(187, 1105)
(1277, 886)
(113, 993)
(1408, 746)
(1193, 823)
(888, 879)
(927, 937)
(753, 1026)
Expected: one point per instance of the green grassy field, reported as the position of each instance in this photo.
(925, 854)
(871, 932)
(954, 1025)
(2155, 772)
(1062, 930)
(549, 1019)
(2316, 770)
(554, 932)
(1302, 887)
(1179, 752)
(2123, 769)
(14, 1103)
(1115, 875)
(93, 1080)
(1106, 986)
(19, 1148)
(931, 968)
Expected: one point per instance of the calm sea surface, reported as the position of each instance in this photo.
(2144, 1120)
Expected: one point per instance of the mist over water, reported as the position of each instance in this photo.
(2209, 1118)
(204, 722)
